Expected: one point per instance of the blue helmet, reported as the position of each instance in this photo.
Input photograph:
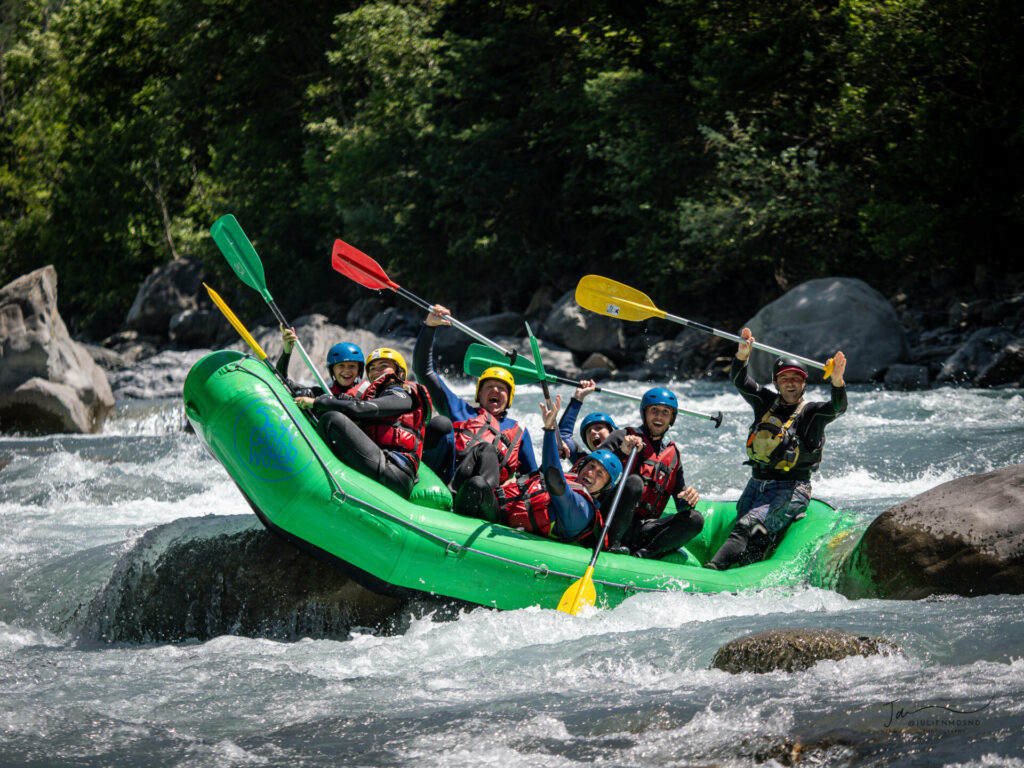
(610, 462)
(595, 418)
(659, 396)
(345, 352)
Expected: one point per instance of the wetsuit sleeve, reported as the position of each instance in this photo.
(571, 511)
(282, 364)
(757, 396)
(296, 389)
(567, 424)
(819, 414)
(527, 459)
(394, 401)
(613, 443)
(446, 401)
(681, 505)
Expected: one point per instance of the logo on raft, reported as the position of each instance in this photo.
(266, 440)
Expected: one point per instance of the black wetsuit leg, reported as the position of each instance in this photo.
(437, 445)
(624, 512)
(480, 461)
(732, 548)
(437, 429)
(355, 448)
(665, 534)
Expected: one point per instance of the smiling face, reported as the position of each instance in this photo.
(791, 386)
(658, 418)
(594, 477)
(494, 395)
(595, 434)
(345, 373)
(379, 367)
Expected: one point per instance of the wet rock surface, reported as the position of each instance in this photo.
(793, 650)
(48, 381)
(199, 578)
(964, 537)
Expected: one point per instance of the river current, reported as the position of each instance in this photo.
(625, 687)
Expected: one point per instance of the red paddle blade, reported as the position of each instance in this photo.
(356, 265)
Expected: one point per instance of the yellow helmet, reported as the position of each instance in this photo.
(386, 353)
(502, 375)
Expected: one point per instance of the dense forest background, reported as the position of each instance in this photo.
(710, 153)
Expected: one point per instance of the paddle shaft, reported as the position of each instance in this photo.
(734, 337)
(479, 358)
(510, 354)
(236, 323)
(582, 590)
(243, 259)
(613, 508)
(298, 344)
(717, 418)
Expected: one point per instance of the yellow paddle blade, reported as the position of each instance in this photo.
(608, 297)
(235, 322)
(579, 593)
(827, 370)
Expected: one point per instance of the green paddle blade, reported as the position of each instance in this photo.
(539, 363)
(242, 257)
(535, 348)
(480, 357)
(579, 593)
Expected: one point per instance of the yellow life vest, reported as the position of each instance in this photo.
(772, 442)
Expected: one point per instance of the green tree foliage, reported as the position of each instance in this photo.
(710, 153)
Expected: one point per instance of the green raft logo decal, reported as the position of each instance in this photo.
(265, 442)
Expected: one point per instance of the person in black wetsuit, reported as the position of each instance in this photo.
(380, 431)
(784, 447)
(345, 363)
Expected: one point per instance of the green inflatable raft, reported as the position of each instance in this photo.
(300, 491)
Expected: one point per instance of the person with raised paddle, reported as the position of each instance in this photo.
(784, 447)
(484, 442)
(641, 529)
(345, 363)
(550, 503)
(594, 428)
(379, 432)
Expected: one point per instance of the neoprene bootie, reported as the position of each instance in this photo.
(476, 499)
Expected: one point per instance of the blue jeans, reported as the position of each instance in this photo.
(773, 504)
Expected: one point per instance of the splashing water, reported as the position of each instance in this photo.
(630, 686)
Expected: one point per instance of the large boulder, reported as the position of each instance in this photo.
(571, 326)
(686, 356)
(168, 290)
(819, 317)
(201, 577)
(976, 355)
(904, 376)
(1006, 368)
(160, 376)
(48, 381)
(964, 537)
(795, 650)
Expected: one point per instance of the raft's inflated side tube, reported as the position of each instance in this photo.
(303, 492)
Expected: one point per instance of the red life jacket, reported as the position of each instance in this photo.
(485, 428)
(524, 504)
(356, 390)
(402, 433)
(659, 471)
